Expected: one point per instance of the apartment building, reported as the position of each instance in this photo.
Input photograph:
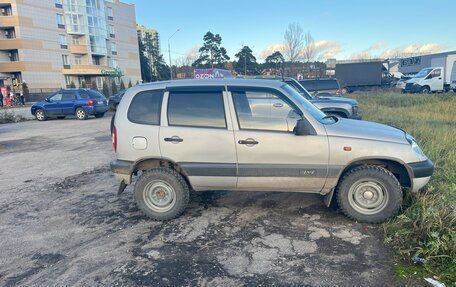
(50, 44)
(150, 39)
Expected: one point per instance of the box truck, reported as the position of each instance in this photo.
(434, 73)
(363, 75)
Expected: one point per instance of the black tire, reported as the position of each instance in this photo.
(425, 90)
(377, 183)
(61, 117)
(40, 115)
(81, 114)
(100, 115)
(161, 184)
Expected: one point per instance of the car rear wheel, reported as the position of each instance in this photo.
(161, 193)
(369, 194)
(100, 115)
(40, 115)
(81, 114)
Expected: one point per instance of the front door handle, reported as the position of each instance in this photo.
(250, 142)
(277, 105)
(174, 139)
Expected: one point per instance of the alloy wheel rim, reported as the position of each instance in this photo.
(39, 115)
(80, 114)
(368, 196)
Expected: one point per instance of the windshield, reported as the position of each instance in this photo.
(423, 73)
(300, 89)
(307, 106)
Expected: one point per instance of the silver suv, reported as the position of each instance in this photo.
(257, 135)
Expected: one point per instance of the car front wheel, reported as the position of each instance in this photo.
(161, 193)
(40, 115)
(369, 193)
(81, 114)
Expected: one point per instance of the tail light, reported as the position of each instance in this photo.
(114, 138)
(338, 92)
(90, 103)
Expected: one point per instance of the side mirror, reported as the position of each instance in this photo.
(304, 128)
(47, 99)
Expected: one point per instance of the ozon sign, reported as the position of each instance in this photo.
(211, 73)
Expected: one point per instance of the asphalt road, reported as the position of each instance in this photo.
(62, 224)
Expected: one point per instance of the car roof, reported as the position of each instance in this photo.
(318, 79)
(214, 82)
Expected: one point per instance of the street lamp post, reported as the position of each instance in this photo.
(169, 54)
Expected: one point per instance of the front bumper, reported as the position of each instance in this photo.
(122, 170)
(412, 88)
(422, 172)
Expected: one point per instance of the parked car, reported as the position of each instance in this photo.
(114, 101)
(337, 106)
(201, 135)
(79, 102)
(400, 84)
(322, 86)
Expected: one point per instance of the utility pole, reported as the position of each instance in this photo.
(169, 54)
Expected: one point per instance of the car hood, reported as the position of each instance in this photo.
(335, 99)
(39, 104)
(366, 130)
(412, 80)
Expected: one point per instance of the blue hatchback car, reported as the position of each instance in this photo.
(81, 103)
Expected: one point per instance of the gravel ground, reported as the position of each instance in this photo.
(63, 224)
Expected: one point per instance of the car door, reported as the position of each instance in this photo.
(270, 156)
(67, 102)
(197, 134)
(52, 106)
(435, 80)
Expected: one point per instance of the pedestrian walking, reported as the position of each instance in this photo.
(8, 101)
(22, 98)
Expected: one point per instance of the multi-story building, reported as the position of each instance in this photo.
(150, 40)
(50, 44)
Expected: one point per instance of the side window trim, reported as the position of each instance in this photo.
(209, 89)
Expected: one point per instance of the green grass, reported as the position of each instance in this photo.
(426, 226)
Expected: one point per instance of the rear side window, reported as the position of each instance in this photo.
(68, 96)
(197, 109)
(145, 108)
(95, 95)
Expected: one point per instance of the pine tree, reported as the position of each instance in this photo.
(246, 64)
(130, 84)
(94, 86)
(72, 85)
(105, 89)
(212, 54)
(83, 85)
(113, 88)
(122, 85)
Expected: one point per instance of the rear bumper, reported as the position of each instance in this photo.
(122, 170)
(422, 172)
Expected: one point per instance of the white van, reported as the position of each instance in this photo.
(440, 77)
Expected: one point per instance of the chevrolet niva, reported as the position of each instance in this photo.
(257, 135)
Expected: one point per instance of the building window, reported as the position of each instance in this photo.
(63, 42)
(114, 63)
(112, 31)
(114, 48)
(96, 61)
(58, 3)
(14, 56)
(60, 22)
(100, 83)
(110, 15)
(78, 60)
(75, 40)
(67, 80)
(65, 60)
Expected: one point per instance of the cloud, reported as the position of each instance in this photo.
(382, 51)
(193, 52)
(271, 49)
(324, 49)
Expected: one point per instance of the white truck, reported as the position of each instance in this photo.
(434, 73)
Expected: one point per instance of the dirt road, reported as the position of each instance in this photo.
(62, 224)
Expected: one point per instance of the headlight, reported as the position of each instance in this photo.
(409, 138)
(417, 150)
(355, 110)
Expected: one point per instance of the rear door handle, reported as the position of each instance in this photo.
(174, 139)
(248, 142)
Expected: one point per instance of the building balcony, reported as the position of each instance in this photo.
(86, 70)
(9, 67)
(11, 44)
(78, 49)
(9, 21)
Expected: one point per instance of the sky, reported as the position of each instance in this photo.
(342, 29)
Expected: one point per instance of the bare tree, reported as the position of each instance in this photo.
(293, 42)
(309, 48)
